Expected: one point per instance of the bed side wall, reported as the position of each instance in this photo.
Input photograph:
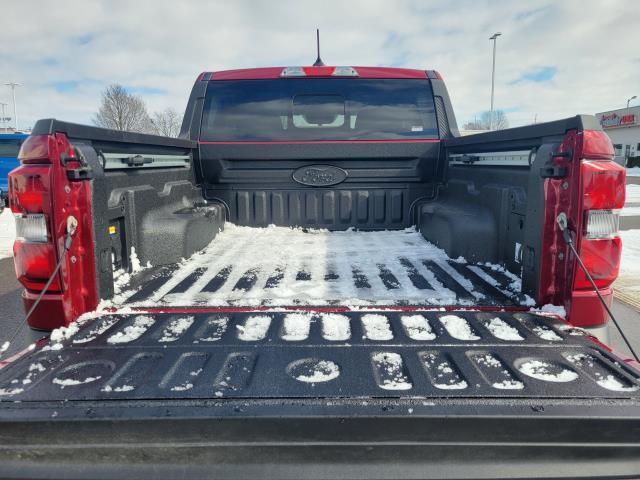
(480, 214)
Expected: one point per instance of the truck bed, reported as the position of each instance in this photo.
(278, 266)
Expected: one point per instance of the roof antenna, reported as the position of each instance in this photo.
(319, 62)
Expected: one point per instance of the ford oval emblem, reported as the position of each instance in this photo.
(319, 175)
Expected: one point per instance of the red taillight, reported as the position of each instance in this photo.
(29, 188)
(603, 193)
(42, 198)
(34, 264)
(37, 149)
(603, 185)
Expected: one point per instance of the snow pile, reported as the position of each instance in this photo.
(296, 327)
(336, 327)
(602, 378)
(417, 327)
(182, 388)
(502, 330)
(134, 261)
(7, 233)
(508, 385)
(216, 327)
(11, 391)
(549, 372)
(551, 309)
(612, 383)
(315, 371)
(132, 332)
(545, 333)
(70, 382)
(255, 328)
(444, 370)
(376, 327)
(175, 329)
(458, 327)
(278, 266)
(121, 388)
(390, 367)
(104, 324)
(60, 334)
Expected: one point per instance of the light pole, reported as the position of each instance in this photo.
(13, 86)
(493, 37)
(632, 98)
(2, 104)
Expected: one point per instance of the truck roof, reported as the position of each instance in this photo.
(312, 71)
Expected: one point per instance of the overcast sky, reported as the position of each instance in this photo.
(555, 59)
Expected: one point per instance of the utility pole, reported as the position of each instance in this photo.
(493, 37)
(2, 104)
(632, 98)
(13, 86)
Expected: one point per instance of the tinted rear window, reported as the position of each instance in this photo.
(318, 109)
(9, 148)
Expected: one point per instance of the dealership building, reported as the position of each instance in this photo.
(623, 128)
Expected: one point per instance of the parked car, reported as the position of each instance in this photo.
(319, 279)
(9, 148)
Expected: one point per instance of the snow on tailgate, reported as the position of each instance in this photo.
(279, 266)
(306, 354)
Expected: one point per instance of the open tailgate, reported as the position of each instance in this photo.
(322, 394)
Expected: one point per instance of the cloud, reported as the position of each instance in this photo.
(65, 56)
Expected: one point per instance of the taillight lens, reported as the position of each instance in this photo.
(31, 227)
(37, 149)
(601, 224)
(603, 189)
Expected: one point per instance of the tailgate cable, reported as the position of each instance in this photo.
(566, 234)
(72, 226)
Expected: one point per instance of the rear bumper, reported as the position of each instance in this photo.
(49, 313)
(322, 439)
(586, 309)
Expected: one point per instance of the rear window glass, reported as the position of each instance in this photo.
(9, 148)
(318, 109)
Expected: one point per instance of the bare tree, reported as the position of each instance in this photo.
(166, 123)
(500, 121)
(121, 110)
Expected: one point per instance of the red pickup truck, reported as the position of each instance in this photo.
(319, 279)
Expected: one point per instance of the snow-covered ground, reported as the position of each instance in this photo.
(7, 233)
(633, 172)
(630, 265)
(632, 201)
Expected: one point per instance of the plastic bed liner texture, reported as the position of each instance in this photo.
(294, 354)
(281, 266)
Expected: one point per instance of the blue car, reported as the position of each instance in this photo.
(9, 147)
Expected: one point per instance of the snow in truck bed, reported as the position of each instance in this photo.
(278, 266)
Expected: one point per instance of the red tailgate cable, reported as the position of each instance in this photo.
(72, 226)
(566, 234)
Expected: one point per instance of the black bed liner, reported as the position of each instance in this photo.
(247, 417)
(219, 355)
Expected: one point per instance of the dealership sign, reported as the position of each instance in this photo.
(610, 120)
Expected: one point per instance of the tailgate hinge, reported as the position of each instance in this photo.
(553, 172)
